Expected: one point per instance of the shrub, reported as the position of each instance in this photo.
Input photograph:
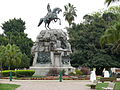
(6, 73)
(63, 72)
(85, 70)
(78, 72)
(24, 73)
(71, 74)
(53, 72)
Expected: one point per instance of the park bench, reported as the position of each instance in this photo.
(111, 79)
(93, 86)
(111, 86)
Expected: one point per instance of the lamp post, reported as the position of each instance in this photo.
(10, 75)
(60, 78)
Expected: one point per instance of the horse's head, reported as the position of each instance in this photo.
(57, 10)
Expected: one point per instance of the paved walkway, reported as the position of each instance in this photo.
(50, 84)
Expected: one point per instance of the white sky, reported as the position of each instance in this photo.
(31, 11)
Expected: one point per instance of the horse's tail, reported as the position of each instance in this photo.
(40, 22)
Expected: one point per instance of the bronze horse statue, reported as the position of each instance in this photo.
(51, 16)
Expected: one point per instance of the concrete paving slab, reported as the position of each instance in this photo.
(50, 84)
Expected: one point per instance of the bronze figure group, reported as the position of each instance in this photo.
(51, 16)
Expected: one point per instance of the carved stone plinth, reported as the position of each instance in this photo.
(51, 50)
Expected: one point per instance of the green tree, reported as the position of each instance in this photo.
(112, 36)
(85, 42)
(22, 41)
(2, 59)
(11, 56)
(25, 63)
(14, 32)
(3, 39)
(70, 13)
(13, 25)
(114, 9)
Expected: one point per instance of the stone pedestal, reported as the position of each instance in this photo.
(51, 50)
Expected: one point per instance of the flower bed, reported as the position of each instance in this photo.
(49, 78)
(7, 77)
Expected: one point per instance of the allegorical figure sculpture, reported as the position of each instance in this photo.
(51, 16)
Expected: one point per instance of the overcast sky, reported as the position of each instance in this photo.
(31, 11)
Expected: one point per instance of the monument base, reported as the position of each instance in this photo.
(51, 50)
(43, 71)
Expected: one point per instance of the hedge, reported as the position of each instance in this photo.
(6, 73)
(24, 73)
(18, 73)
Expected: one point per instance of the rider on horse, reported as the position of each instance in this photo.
(51, 15)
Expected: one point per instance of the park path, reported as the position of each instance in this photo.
(50, 84)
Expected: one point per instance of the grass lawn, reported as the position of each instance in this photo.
(117, 87)
(8, 86)
(100, 85)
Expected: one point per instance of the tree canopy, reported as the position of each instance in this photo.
(69, 13)
(10, 56)
(85, 41)
(14, 35)
(13, 25)
(112, 34)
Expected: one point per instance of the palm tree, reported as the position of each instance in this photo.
(2, 60)
(110, 1)
(70, 13)
(112, 37)
(12, 56)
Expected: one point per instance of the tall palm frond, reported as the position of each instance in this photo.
(108, 2)
(70, 13)
(111, 35)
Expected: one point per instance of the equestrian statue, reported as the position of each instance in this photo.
(51, 16)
